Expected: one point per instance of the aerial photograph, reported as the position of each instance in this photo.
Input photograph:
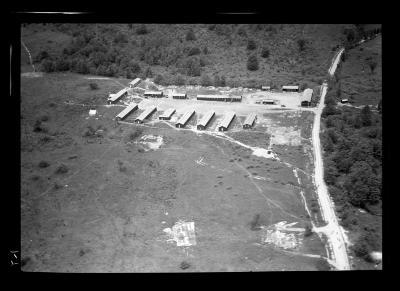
(198, 147)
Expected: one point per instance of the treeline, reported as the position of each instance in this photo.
(352, 142)
(139, 50)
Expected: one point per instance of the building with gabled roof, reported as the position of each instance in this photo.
(115, 97)
(224, 125)
(128, 110)
(305, 99)
(157, 94)
(249, 122)
(205, 120)
(145, 114)
(167, 114)
(134, 83)
(290, 88)
(185, 119)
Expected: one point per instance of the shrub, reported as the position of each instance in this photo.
(89, 132)
(302, 44)
(47, 66)
(184, 265)
(252, 63)
(159, 79)
(142, 29)
(93, 86)
(205, 80)
(251, 44)
(265, 53)
(38, 127)
(43, 164)
(194, 51)
(135, 134)
(323, 265)
(308, 230)
(179, 80)
(190, 35)
(61, 169)
(44, 117)
(121, 166)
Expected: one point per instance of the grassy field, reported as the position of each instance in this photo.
(96, 199)
(358, 83)
(222, 49)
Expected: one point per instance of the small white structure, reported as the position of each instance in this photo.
(92, 112)
(134, 83)
(344, 101)
(224, 125)
(266, 88)
(128, 110)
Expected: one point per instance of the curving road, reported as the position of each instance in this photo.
(335, 237)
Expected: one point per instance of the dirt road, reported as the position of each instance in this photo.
(335, 236)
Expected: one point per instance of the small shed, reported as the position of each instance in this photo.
(305, 99)
(268, 101)
(344, 101)
(266, 88)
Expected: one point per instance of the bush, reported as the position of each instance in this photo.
(251, 44)
(323, 265)
(308, 230)
(89, 132)
(93, 86)
(121, 166)
(205, 80)
(159, 79)
(135, 134)
(38, 127)
(61, 169)
(47, 66)
(142, 29)
(265, 53)
(179, 80)
(190, 35)
(44, 118)
(194, 51)
(184, 265)
(43, 164)
(302, 44)
(252, 63)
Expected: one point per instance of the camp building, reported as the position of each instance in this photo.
(224, 98)
(128, 110)
(290, 88)
(134, 83)
(185, 118)
(249, 122)
(115, 97)
(229, 116)
(167, 114)
(157, 94)
(205, 120)
(145, 114)
(179, 96)
(306, 97)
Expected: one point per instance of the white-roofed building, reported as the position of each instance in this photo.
(224, 125)
(224, 98)
(185, 118)
(205, 120)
